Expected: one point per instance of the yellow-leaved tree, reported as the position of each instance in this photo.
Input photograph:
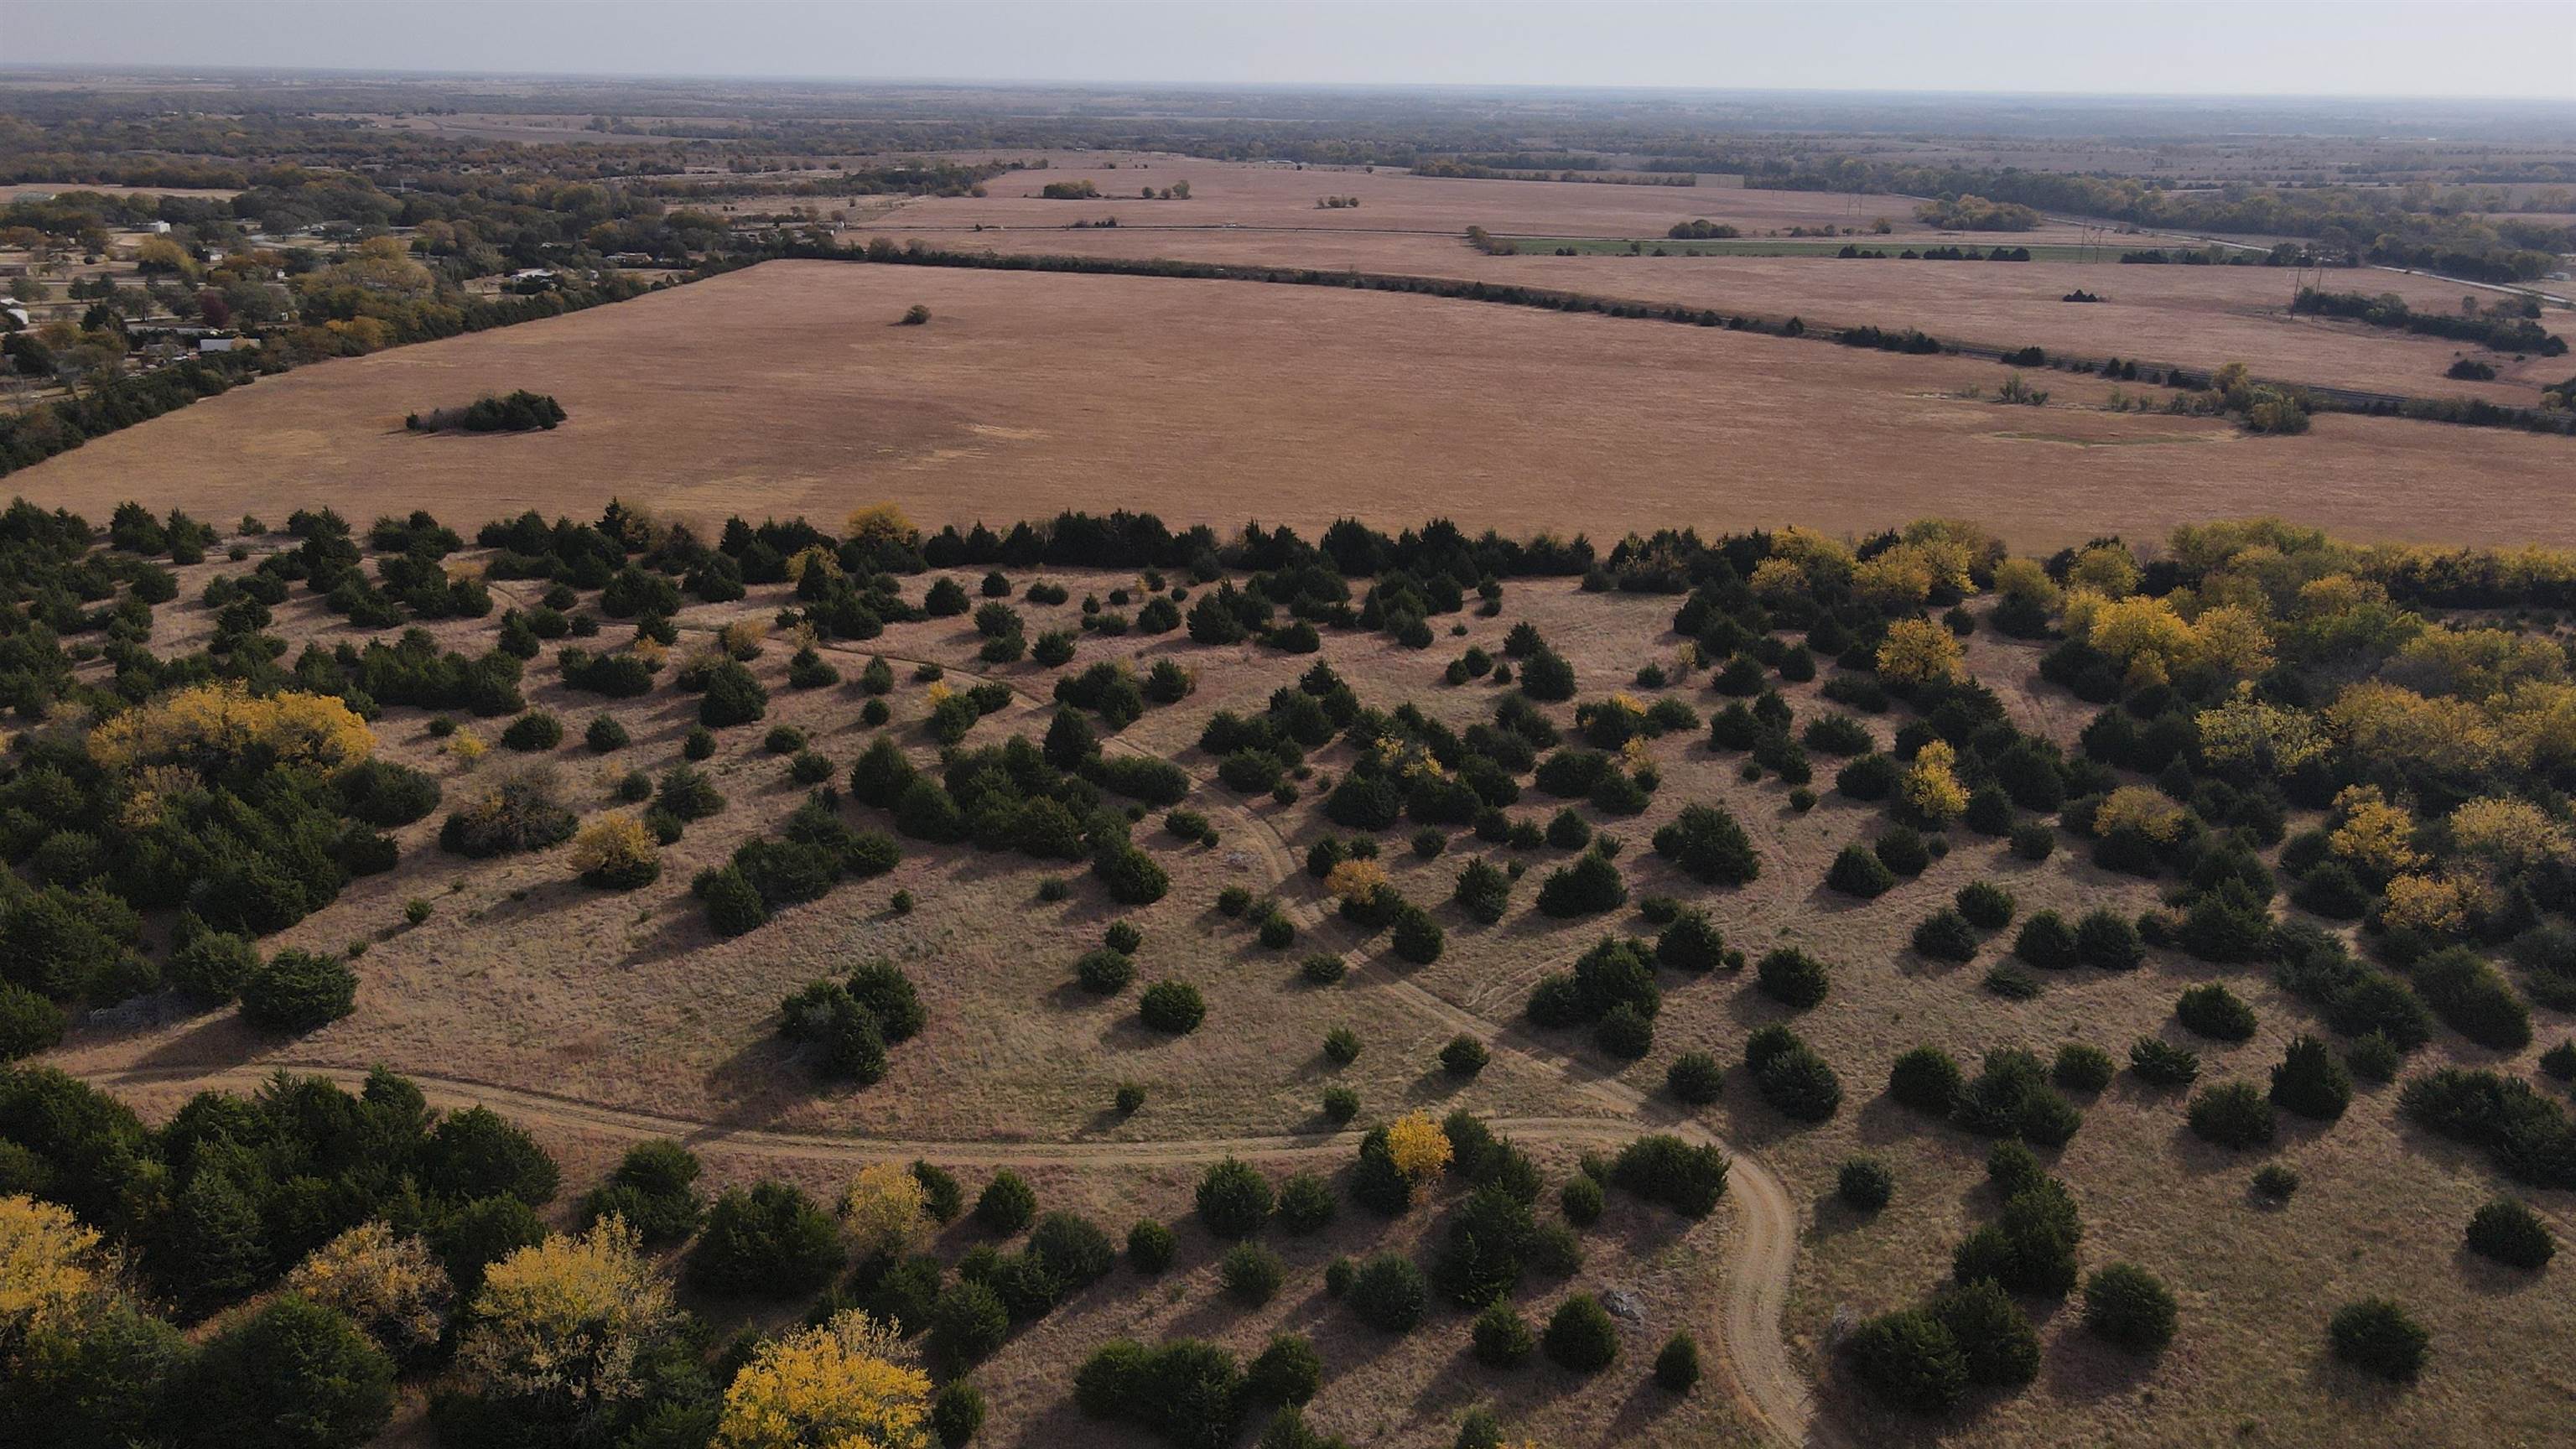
(389, 1286)
(882, 1209)
(563, 1320)
(51, 1267)
(1419, 1147)
(1357, 881)
(616, 852)
(845, 1384)
(209, 728)
(2373, 832)
(1918, 651)
(2151, 813)
(1932, 785)
(880, 523)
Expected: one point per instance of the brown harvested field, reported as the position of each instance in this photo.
(786, 389)
(585, 1005)
(1234, 193)
(2193, 316)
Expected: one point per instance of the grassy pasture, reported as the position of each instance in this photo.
(787, 388)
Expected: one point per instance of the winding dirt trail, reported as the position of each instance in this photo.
(1752, 1353)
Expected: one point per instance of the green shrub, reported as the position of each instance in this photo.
(1695, 1078)
(2231, 1114)
(1250, 1274)
(1464, 1056)
(2082, 1067)
(1502, 1338)
(1589, 886)
(1995, 1337)
(1677, 1367)
(299, 991)
(1707, 844)
(770, 1238)
(2310, 1081)
(1341, 1104)
(1946, 935)
(292, 1374)
(1987, 906)
(1865, 1183)
(2126, 1305)
(1151, 1247)
(1663, 1168)
(2213, 1011)
(1342, 1046)
(2472, 997)
(28, 1022)
(1006, 1204)
(1793, 978)
(2380, 1338)
(1904, 851)
(2046, 940)
(1388, 1293)
(1908, 1360)
(2508, 1231)
(2107, 939)
(1234, 1199)
(1581, 1201)
(1174, 1007)
(967, 1323)
(1580, 1336)
(2162, 1063)
(1286, 1371)
(956, 1413)
(1857, 871)
(1926, 1079)
(604, 735)
(534, 731)
(1690, 943)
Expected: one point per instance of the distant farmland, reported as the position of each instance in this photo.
(787, 389)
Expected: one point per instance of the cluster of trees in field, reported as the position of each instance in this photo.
(1970, 212)
(276, 1267)
(2253, 671)
(2248, 672)
(520, 411)
(2504, 326)
(1702, 230)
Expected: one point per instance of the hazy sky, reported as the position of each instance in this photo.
(2482, 48)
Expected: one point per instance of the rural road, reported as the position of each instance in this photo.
(1750, 1349)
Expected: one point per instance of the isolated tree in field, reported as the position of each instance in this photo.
(915, 315)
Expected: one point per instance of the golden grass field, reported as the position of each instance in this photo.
(582, 1005)
(786, 388)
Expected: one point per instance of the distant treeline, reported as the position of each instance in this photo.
(121, 402)
(1460, 169)
(2409, 227)
(2497, 334)
(41, 432)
